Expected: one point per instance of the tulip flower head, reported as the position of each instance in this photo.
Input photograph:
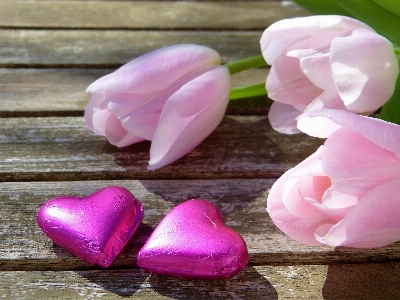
(326, 61)
(348, 192)
(175, 97)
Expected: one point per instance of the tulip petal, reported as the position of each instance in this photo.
(350, 171)
(317, 125)
(314, 187)
(322, 123)
(282, 118)
(129, 139)
(99, 119)
(121, 104)
(143, 122)
(328, 99)
(313, 53)
(96, 113)
(364, 86)
(373, 222)
(294, 200)
(117, 135)
(299, 228)
(281, 34)
(349, 156)
(316, 68)
(189, 116)
(310, 166)
(292, 87)
(152, 73)
(284, 32)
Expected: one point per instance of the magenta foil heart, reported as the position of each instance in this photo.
(193, 242)
(95, 228)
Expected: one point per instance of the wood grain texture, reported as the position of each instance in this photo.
(63, 148)
(264, 282)
(50, 51)
(145, 14)
(242, 203)
(61, 92)
(362, 281)
(112, 48)
(334, 282)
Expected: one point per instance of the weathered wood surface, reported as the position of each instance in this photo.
(49, 53)
(242, 202)
(144, 15)
(63, 148)
(61, 92)
(343, 281)
(253, 283)
(111, 48)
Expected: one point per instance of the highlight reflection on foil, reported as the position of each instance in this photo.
(95, 228)
(192, 241)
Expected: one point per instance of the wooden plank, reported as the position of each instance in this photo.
(356, 281)
(63, 148)
(145, 15)
(52, 92)
(292, 282)
(242, 202)
(112, 48)
(365, 281)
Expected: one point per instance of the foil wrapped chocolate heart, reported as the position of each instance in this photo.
(193, 242)
(95, 228)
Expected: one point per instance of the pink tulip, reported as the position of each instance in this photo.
(326, 62)
(348, 192)
(175, 97)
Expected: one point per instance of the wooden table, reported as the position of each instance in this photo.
(49, 53)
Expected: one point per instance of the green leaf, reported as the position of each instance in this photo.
(390, 5)
(383, 21)
(323, 7)
(391, 110)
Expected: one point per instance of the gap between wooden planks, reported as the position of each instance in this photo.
(61, 92)
(111, 48)
(62, 148)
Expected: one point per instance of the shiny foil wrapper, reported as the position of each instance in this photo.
(193, 242)
(95, 228)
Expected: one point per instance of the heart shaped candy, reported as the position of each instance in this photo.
(193, 242)
(95, 228)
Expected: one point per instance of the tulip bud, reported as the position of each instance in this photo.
(348, 192)
(175, 97)
(326, 62)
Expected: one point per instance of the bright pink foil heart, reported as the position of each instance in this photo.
(193, 242)
(95, 228)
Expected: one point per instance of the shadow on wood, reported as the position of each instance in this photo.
(363, 281)
(227, 195)
(124, 283)
(240, 147)
(248, 284)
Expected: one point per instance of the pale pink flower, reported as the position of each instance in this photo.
(326, 62)
(348, 192)
(175, 97)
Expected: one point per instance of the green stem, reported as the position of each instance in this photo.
(248, 91)
(246, 64)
